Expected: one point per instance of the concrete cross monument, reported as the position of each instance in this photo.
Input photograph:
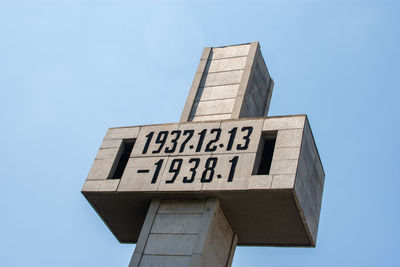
(188, 193)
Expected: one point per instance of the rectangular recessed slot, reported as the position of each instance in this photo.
(122, 158)
(266, 151)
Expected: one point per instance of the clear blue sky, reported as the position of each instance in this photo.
(69, 69)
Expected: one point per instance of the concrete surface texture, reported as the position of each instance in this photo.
(184, 233)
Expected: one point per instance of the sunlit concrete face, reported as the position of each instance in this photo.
(265, 171)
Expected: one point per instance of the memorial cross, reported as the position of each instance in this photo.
(187, 193)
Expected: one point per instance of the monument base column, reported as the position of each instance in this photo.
(185, 233)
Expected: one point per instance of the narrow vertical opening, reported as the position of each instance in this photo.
(122, 158)
(267, 144)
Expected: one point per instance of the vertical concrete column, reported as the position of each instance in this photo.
(185, 233)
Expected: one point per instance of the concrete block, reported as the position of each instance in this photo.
(177, 223)
(107, 153)
(165, 261)
(260, 182)
(282, 153)
(100, 169)
(230, 51)
(153, 146)
(101, 185)
(227, 64)
(185, 206)
(160, 244)
(211, 117)
(91, 186)
(221, 78)
(136, 177)
(293, 122)
(217, 92)
(111, 143)
(289, 138)
(283, 181)
(123, 132)
(283, 166)
(221, 106)
(248, 132)
(109, 185)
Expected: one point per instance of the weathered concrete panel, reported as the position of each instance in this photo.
(221, 106)
(177, 223)
(289, 138)
(226, 64)
(160, 244)
(282, 153)
(217, 92)
(210, 117)
(284, 166)
(221, 78)
(260, 182)
(109, 185)
(100, 169)
(122, 132)
(283, 181)
(186, 206)
(107, 153)
(282, 123)
(91, 186)
(230, 51)
(111, 143)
